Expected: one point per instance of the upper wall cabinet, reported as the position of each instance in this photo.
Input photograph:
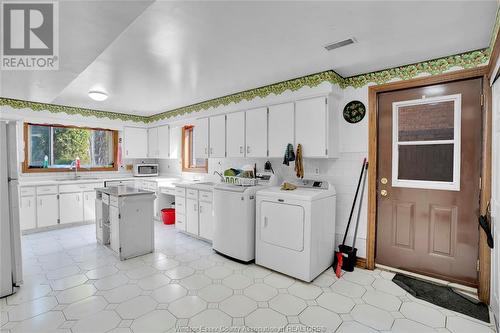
(153, 142)
(135, 142)
(235, 134)
(256, 132)
(217, 126)
(280, 128)
(201, 138)
(175, 142)
(163, 141)
(315, 128)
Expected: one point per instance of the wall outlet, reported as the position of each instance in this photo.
(316, 171)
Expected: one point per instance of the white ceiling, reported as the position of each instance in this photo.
(156, 56)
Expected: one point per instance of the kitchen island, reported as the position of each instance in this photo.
(124, 220)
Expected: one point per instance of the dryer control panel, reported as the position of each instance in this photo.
(312, 183)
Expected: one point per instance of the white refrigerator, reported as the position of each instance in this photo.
(10, 233)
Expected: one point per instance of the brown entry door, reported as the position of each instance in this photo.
(428, 181)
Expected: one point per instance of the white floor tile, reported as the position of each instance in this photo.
(373, 317)
(238, 306)
(155, 321)
(336, 302)
(75, 294)
(136, 307)
(187, 306)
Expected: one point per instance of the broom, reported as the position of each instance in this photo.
(338, 258)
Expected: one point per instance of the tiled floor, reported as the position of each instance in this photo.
(74, 285)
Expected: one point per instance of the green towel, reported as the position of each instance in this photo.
(289, 155)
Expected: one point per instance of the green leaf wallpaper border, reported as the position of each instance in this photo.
(53, 108)
(437, 66)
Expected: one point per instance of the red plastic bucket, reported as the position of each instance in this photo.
(168, 215)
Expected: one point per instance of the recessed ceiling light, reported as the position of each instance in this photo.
(338, 44)
(98, 95)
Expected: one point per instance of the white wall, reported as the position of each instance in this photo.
(342, 172)
(495, 203)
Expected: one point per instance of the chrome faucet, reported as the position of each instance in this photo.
(73, 166)
(220, 175)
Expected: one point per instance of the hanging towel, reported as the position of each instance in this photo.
(289, 155)
(299, 167)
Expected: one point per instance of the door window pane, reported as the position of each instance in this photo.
(426, 162)
(431, 121)
(426, 143)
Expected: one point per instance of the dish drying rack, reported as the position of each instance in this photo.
(240, 181)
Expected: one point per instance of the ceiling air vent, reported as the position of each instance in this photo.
(341, 43)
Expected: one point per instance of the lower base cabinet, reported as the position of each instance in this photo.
(114, 237)
(71, 207)
(205, 220)
(89, 206)
(192, 216)
(27, 213)
(47, 212)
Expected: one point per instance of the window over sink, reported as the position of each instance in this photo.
(53, 148)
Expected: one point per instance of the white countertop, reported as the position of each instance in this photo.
(63, 181)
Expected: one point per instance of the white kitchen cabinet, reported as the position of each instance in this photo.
(70, 207)
(281, 128)
(205, 220)
(256, 132)
(153, 151)
(47, 212)
(89, 206)
(235, 134)
(192, 216)
(135, 142)
(175, 142)
(163, 141)
(200, 138)
(218, 136)
(114, 229)
(27, 213)
(316, 127)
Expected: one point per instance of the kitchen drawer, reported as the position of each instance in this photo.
(27, 191)
(113, 201)
(105, 198)
(180, 205)
(191, 194)
(71, 188)
(180, 222)
(180, 191)
(205, 196)
(47, 189)
(169, 191)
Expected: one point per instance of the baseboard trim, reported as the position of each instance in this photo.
(361, 263)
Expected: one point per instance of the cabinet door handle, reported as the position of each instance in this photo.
(211, 150)
(200, 209)
(241, 149)
(126, 152)
(265, 221)
(248, 149)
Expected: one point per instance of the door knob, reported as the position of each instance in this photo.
(383, 180)
(383, 193)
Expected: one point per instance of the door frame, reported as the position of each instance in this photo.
(373, 91)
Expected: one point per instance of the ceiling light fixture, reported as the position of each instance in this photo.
(338, 44)
(98, 95)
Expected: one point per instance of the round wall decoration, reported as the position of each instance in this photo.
(354, 112)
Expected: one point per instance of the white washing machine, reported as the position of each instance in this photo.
(295, 230)
(234, 218)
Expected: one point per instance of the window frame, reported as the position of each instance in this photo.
(27, 169)
(187, 150)
(457, 120)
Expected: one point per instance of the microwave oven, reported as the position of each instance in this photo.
(145, 170)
